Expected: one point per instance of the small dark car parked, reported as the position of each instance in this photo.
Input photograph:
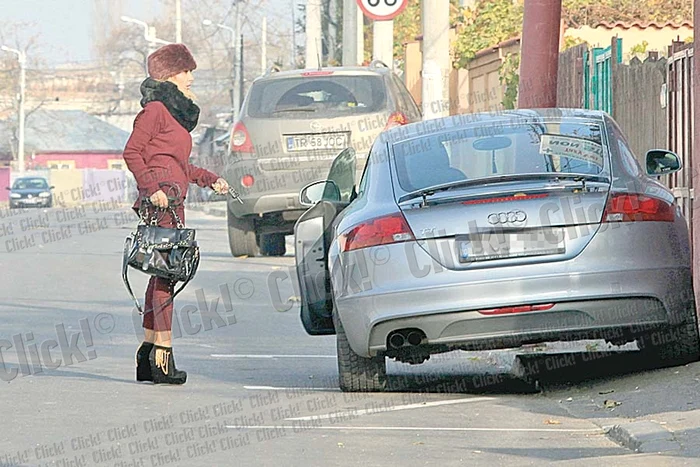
(30, 191)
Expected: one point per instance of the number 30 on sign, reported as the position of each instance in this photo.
(382, 10)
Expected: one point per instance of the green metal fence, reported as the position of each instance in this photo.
(597, 77)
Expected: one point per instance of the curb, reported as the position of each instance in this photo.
(644, 436)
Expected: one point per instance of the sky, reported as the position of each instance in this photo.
(65, 26)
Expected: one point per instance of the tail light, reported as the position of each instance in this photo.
(623, 207)
(247, 181)
(240, 139)
(380, 231)
(396, 119)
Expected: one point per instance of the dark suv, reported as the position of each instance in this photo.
(292, 125)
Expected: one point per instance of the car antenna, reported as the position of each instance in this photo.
(318, 57)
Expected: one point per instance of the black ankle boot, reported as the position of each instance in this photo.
(143, 366)
(163, 366)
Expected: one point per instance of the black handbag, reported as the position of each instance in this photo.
(165, 252)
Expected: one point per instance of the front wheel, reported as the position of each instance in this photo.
(356, 373)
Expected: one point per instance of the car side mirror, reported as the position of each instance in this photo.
(662, 162)
(321, 190)
(51, 187)
(8, 188)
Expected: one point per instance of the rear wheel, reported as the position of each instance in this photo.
(677, 345)
(273, 244)
(356, 373)
(241, 237)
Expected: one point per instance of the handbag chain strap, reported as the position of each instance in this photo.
(143, 214)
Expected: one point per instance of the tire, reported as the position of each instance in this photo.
(677, 345)
(273, 244)
(356, 373)
(241, 237)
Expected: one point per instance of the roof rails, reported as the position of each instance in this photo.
(376, 63)
(272, 69)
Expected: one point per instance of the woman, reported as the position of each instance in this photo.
(157, 154)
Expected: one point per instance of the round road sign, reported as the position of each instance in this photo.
(382, 10)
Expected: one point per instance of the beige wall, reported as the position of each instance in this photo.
(476, 88)
(413, 66)
(658, 39)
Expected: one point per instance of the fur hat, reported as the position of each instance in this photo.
(170, 60)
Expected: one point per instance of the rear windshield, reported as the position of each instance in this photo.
(500, 149)
(314, 97)
(29, 183)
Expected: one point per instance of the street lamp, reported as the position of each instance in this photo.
(237, 72)
(22, 57)
(149, 33)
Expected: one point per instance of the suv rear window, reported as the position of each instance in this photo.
(317, 97)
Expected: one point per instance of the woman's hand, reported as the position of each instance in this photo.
(220, 186)
(159, 199)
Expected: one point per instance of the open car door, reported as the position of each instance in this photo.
(312, 237)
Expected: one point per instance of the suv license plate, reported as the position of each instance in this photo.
(338, 141)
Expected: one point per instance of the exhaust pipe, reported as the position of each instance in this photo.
(414, 338)
(396, 340)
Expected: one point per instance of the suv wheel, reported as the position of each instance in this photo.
(241, 237)
(273, 244)
(356, 373)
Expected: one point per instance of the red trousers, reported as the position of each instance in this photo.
(156, 316)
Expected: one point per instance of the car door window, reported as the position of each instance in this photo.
(342, 172)
(625, 154)
(408, 105)
(365, 176)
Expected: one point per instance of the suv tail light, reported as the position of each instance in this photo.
(240, 139)
(396, 119)
(380, 231)
(624, 207)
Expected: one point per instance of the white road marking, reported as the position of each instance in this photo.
(217, 355)
(272, 388)
(425, 428)
(355, 413)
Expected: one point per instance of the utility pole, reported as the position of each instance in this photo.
(695, 241)
(263, 46)
(436, 58)
(314, 48)
(294, 34)
(353, 36)
(539, 59)
(383, 42)
(22, 58)
(241, 81)
(237, 52)
(178, 22)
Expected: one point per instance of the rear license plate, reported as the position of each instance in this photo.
(337, 141)
(502, 245)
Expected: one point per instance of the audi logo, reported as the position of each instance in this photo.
(506, 217)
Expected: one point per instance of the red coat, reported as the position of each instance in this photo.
(158, 153)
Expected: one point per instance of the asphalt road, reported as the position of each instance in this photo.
(262, 392)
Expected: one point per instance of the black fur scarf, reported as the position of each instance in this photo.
(183, 109)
